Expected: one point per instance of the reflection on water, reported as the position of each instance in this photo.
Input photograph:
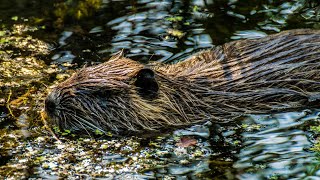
(279, 149)
(169, 31)
(166, 31)
(146, 34)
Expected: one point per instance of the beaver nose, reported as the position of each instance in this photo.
(50, 106)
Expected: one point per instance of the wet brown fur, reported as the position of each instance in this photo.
(276, 73)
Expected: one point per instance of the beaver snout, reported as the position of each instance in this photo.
(50, 105)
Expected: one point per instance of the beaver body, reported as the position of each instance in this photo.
(277, 73)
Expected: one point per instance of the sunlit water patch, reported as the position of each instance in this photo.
(281, 149)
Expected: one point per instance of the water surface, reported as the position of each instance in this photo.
(55, 37)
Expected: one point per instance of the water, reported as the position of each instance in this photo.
(50, 39)
(280, 148)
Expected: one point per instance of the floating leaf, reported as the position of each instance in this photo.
(15, 18)
(175, 33)
(174, 18)
(187, 142)
(2, 33)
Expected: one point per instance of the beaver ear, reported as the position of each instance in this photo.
(118, 55)
(146, 83)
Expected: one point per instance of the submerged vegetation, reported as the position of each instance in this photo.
(41, 43)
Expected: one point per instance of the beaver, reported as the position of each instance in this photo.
(276, 73)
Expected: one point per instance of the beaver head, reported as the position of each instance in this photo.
(120, 95)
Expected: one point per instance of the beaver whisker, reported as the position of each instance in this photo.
(84, 124)
(126, 123)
